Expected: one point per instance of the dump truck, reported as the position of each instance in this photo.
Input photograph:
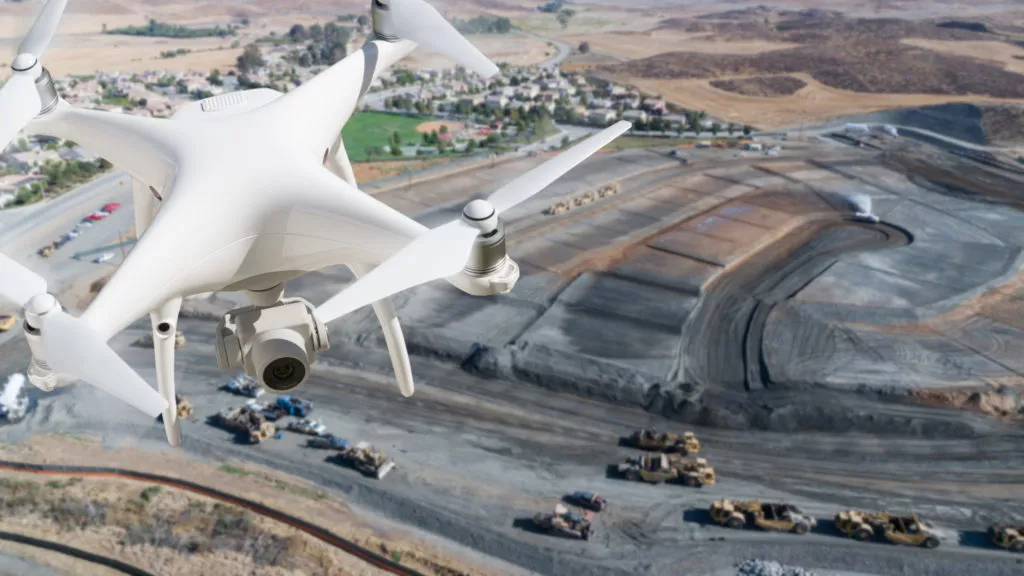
(565, 523)
(685, 443)
(1007, 536)
(765, 515)
(366, 459)
(908, 530)
(146, 340)
(247, 422)
(655, 468)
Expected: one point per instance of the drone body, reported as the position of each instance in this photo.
(249, 190)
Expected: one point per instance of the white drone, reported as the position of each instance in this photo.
(243, 192)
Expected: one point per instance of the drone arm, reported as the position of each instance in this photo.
(165, 324)
(144, 147)
(393, 337)
(339, 164)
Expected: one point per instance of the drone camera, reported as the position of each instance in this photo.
(275, 344)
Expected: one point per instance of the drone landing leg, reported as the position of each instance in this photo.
(385, 311)
(165, 324)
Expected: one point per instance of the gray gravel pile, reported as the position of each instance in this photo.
(758, 567)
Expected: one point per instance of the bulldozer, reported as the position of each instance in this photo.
(656, 468)
(248, 422)
(648, 439)
(764, 515)
(907, 530)
(1007, 536)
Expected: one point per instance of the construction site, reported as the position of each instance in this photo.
(710, 339)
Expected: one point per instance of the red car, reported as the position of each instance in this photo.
(95, 217)
(112, 207)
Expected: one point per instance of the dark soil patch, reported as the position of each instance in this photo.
(763, 86)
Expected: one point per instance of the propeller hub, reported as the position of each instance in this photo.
(24, 62)
(41, 304)
(481, 214)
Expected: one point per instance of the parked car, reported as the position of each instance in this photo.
(588, 500)
(307, 426)
(295, 406)
(96, 216)
(84, 224)
(244, 385)
(72, 234)
(112, 207)
(105, 257)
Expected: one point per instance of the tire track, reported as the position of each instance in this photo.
(74, 552)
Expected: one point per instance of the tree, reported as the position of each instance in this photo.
(214, 78)
(298, 33)
(565, 141)
(444, 129)
(251, 59)
(731, 128)
(584, 47)
(564, 16)
(715, 128)
(143, 102)
(470, 146)
(747, 129)
(305, 60)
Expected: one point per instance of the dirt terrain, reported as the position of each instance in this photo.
(899, 62)
(167, 531)
(762, 86)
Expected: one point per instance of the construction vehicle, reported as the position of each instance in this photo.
(908, 530)
(588, 500)
(245, 385)
(564, 523)
(7, 321)
(247, 422)
(327, 442)
(1007, 536)
(685, 443)
(185, 409)
(587, 197)
(146, 340)
(764, 515)
(656, 468)
(295, 406)
(366, 459)
(272, 412)
(307, 426)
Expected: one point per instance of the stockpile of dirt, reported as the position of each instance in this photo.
(869, 66)
(1002, 402)
(764, 86)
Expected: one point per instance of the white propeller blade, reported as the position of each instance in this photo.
(439, 253)
(19, 104)
(42, 31)
(529, 184)
(444, 251)
(73, 347)
(17, 283)
(418, 21)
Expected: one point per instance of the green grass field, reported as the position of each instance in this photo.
(372, 129)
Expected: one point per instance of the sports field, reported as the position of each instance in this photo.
(372, 129)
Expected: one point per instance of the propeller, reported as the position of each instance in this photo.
(444, 251)
(72, 346)
(19, 99)
(421, 23)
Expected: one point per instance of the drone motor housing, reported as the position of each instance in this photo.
(275, 344)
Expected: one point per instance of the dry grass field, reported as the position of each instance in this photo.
(172, 532)
(1009, 56)
(816, 102)
(635, 45)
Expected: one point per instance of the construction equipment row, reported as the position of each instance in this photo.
(583, 199)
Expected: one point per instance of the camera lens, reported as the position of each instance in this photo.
(284, 373)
